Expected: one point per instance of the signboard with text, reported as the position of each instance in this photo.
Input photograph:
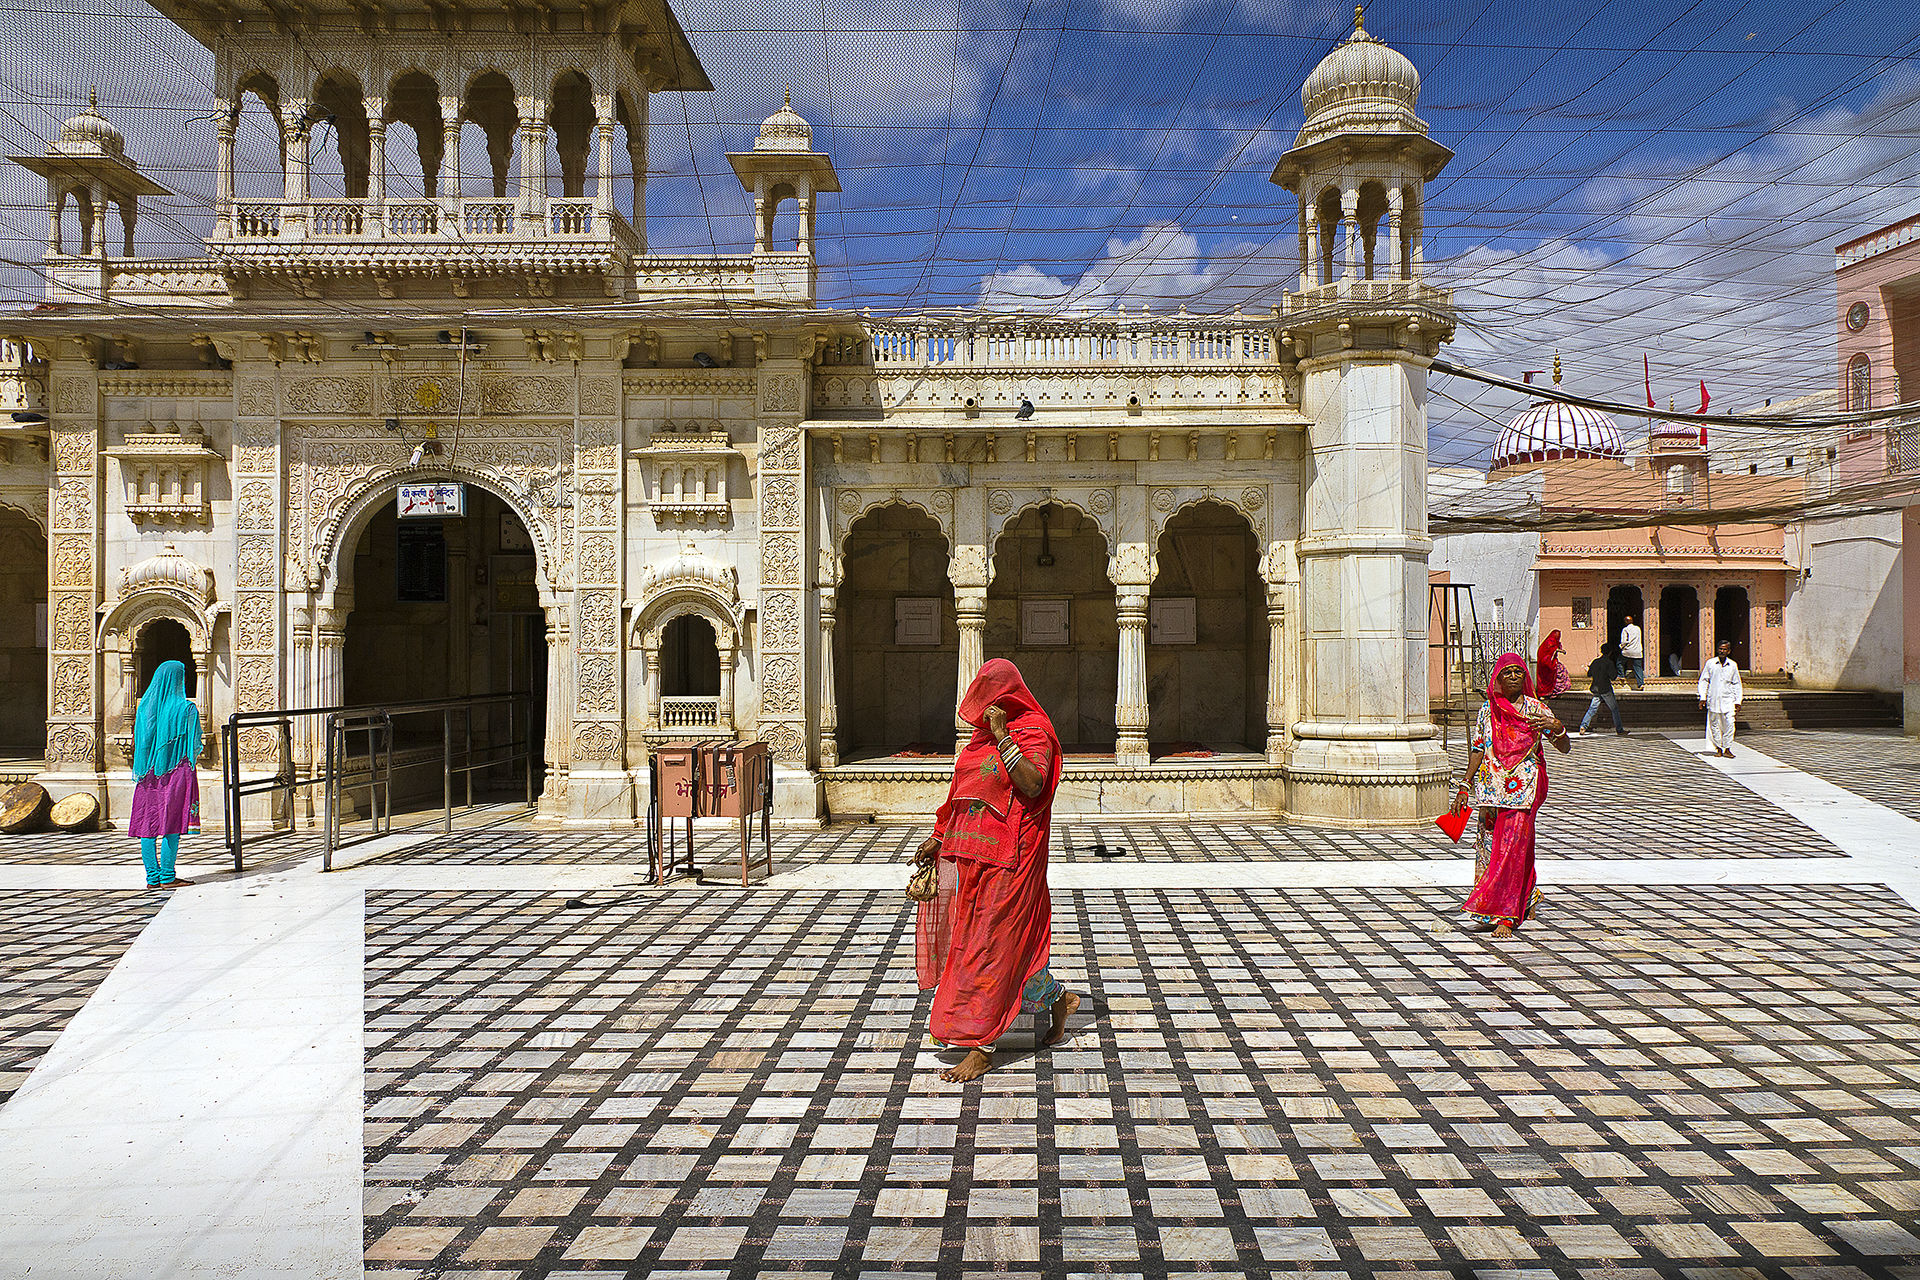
(436, 501)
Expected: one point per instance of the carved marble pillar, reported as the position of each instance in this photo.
(54, 197)
(829, 701)
(598, 786)
(1350, 227)
(724, 709)
(533, 169)
(970, 614)
(303, 685)
(650, 681)
(222, 173)
(450, 148)
(1130, 702)
(603, 149)
(377, 159)
(1310, 216)
(553, 790)
(97, 225)
(787, 635)
(260, 570)
(296, 137)
(1276, 673)
(1393, 235)
(74, 576)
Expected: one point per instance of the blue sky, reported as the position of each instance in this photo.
(1628, 178)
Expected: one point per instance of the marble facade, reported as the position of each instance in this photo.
(210, 442)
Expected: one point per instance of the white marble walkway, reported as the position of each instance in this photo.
(201, 1116)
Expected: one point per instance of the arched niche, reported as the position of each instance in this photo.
(896, 637)
(689, 586)
(159, 602)
(1208, 634)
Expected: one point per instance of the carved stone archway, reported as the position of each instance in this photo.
(692, 585)
(164, 588)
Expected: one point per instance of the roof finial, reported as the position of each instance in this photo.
(93, 97)
(1556, 368)
(1359, 11)
(788, 104)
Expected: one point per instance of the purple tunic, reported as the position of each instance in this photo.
(166, 804)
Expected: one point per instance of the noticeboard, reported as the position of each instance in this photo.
(432, 501)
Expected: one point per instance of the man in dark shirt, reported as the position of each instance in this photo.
(1602, 672)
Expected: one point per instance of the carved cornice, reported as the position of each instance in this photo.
(160, 382)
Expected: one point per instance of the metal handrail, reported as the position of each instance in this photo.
(336, 774)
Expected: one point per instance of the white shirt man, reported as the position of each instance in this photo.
(1720, 695)
(1632, 656)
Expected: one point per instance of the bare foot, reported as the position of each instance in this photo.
(1503, 930)
(1063, 1008)
(174, 883)
(972, 1067)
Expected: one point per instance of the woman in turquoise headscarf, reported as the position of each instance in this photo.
(166, 790)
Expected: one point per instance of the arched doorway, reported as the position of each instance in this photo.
(896, 638)
(442, 608)
(23, 637)
(1051, 610)
(1733, 623)
(1679, 629)
(1624, 601)
(164, 640)
(1207, 636)
(689, 673)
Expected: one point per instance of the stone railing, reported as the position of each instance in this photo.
(1095, 342)
(451, 219)
(1379, 293)
(721, 279)
(689, 713)
(1856, 251)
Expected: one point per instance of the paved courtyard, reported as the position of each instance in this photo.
(499, 1054)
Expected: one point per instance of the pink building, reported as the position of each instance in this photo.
(1690, 585)
(1877, 318)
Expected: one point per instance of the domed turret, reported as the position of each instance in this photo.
(785, 130)
(1550, 429)
(1362, 86)
(91, 133)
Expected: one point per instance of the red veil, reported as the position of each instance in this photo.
(1513, 737)
(1553, 677)
(991, 926)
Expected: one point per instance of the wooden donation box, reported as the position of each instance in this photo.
(716, 779)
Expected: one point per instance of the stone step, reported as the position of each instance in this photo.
(1762, 709)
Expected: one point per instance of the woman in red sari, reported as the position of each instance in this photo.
(983, 941)
(1507, 781)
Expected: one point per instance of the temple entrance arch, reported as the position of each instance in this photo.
(896, 636)
(23, 636)
(1051, 610)
(1679, 628)
(1207, 635)
(1733, 624)
(437, 608)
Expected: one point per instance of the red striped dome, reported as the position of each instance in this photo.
(1548, 429)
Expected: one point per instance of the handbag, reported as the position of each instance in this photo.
(1454, 822)
(925, 884)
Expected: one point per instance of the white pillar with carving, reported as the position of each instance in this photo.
(1394, 232)
(723, 711)
(1130, 701)
(1276, 673)
(829, 705)
(1350, 226)
(603, 148)
(553, 793)
(970, 609)
(377, 162)
(222, 172)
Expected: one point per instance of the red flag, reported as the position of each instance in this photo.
(1705, 399)
(1648, 370)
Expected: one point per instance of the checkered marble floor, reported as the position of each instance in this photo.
(54, 950)
(1341, 1082)
(1882, 766)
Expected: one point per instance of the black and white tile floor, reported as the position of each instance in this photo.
(1688, 1069)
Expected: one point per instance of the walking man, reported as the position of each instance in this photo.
(1601, 673)
(1632, 655)
(1720, 696)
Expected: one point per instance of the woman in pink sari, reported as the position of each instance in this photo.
(1507, 781)
(982, 943)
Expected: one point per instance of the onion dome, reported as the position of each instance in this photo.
(169, 571)
(1361, 87)
(785, 130)
(91, 131)
(1549, 429)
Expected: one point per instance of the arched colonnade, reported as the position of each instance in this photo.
(1166, 649)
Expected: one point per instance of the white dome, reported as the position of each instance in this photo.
(90, 130)
(785, 130)
(1549, 429)
(1362, 86)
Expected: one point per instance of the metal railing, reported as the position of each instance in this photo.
(285, 738)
